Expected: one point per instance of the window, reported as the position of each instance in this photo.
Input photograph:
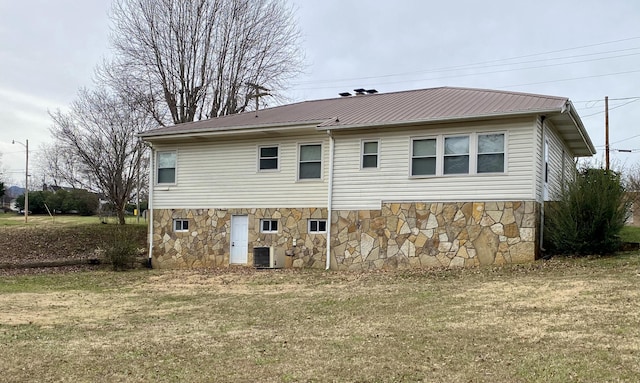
(180, 225)
(423, 157)
(166, 167)
(369, 154)
(268, 225)
(491, 153)
(310, 166)
(268, 158)
(456, 155)
(317, 226)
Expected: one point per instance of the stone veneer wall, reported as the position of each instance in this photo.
(400, 235)
(207, 243)
(449, 234)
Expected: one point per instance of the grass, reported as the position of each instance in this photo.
(630, 234)
(558, 321)
(13, 219)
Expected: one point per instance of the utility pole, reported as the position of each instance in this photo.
(606, 131)
(258, 91)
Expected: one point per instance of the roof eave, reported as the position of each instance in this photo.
(440, 120)
(225, 131)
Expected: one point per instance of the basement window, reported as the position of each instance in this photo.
(317, 226)
(180, 225)
(268, 225)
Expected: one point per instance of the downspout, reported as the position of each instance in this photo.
(150, 206)
(329, 198)
(544, 170)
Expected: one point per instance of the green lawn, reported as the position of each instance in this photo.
(13, 219)
(565, 320)
(630, 234)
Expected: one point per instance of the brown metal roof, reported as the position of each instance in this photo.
(413, 106)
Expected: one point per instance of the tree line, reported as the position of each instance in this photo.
(174, 62)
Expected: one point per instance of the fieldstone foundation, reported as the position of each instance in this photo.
(207, 243)
(400, 235)
(450, 234)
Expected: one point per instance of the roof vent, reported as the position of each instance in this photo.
(359, 92)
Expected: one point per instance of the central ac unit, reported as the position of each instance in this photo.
(267, 258)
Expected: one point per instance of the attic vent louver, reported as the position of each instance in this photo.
(371, 91)
(359, 91)
(345, 94)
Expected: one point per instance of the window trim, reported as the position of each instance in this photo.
(411, 157)
(473, 154)
(470, 162)
(318, 220)
(363, 154)
(321, 178)
(157, 168)
(277, 158)
(504, 152)
(182, 222)
(271, 221)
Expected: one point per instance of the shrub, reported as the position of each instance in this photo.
(588, 216)
(121, 250)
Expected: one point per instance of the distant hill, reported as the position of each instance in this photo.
(13, 191)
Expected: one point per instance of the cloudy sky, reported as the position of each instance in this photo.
(582, 49)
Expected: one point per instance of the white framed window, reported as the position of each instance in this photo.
(456, 155)
(166, 166)
(460, 154)
(180, 225)
(490, 153)
(310, 162)
(268, 225)
(317, 226)
(423, 156)
(268, 158)
(370, 153)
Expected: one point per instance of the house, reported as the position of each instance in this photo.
(421, 178)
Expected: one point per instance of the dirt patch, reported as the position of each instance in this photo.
(40, 244)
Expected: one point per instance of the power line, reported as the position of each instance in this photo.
(615, 107)
(480, 65)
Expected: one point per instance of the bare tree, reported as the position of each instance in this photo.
(96, 148)
(195, 59)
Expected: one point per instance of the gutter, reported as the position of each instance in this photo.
(329, 198)
(150, 206)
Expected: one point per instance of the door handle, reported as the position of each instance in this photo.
(233, 244)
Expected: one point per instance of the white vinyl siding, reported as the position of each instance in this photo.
(364, 190)
(556, 165)
(222, 173)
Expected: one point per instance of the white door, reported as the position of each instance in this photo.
(239, 240)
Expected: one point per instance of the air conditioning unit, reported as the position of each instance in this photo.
(268, 258)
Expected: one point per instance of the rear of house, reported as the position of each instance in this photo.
(434, 177)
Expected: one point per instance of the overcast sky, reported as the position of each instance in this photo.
(584, 50)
